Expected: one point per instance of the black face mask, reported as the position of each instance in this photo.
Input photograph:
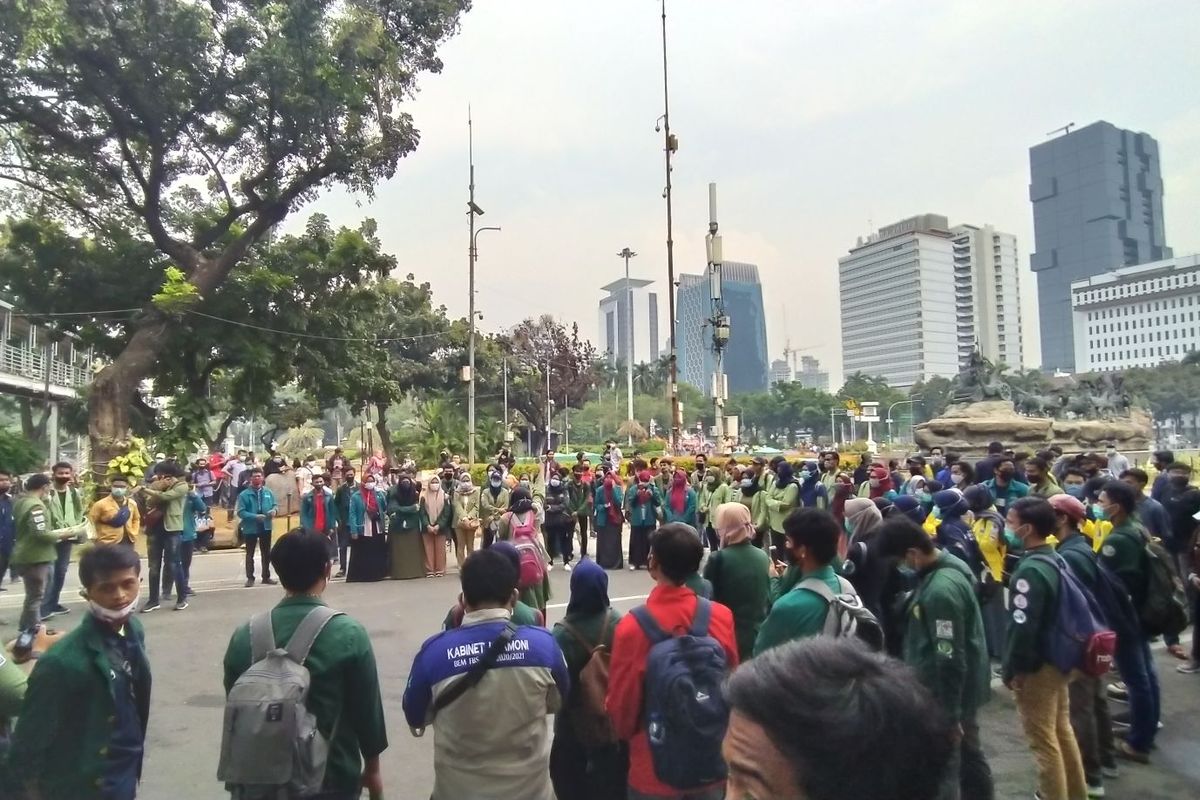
(1179, 480)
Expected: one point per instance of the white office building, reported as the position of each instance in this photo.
(614, 321)
(898, 303)
(1137, 316)
(781, 372)
(811, 376)
(987, 300)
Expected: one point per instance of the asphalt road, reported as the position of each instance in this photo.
(186, 649)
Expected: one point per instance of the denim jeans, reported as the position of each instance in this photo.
(183, 569)
(1141, 681)
(58, 576)
(968, 775)
(162, 550)
(35, 577)
(1092, 725)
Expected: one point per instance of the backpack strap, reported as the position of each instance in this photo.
(475, 674)
(307, 632)
(262, 636)
(649, 626)
(818, 587)
(702, 618)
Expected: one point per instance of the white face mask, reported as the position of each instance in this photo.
(113, 616)
(956, 478)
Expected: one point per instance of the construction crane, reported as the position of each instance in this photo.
(1064, 129)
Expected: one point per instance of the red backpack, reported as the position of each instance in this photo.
(525, 539)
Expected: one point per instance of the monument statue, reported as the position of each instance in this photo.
(980, 380)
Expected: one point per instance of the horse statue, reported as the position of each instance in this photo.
(979, 380)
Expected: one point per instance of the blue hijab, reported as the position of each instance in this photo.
(810, 487)
(589, 589)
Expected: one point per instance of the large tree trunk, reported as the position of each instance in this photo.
(35, 432)
(385, 438)
(112, 393)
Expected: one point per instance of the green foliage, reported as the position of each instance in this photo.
(17, 454)
(132, 461)
(176, 294)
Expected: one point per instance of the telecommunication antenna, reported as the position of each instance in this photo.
(1064, 129)
(719, 319)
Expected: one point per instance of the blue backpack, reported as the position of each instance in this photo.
(1080, 638)
(686, 711)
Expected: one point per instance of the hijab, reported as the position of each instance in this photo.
(371, 499)
(880, 473)
(843, 487)
(435, 499)
(679, 487)
(589, 589)
(406, 493)
(810, 484)
(908, 506)
(732, 522)
(862, 517)
(645, 489)
(785, 475)
(521, 501)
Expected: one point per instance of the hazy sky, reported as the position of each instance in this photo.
(820, 121)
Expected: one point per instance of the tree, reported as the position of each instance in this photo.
(931, 398)
(197, 127)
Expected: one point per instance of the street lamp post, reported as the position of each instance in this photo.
(628, 254)
(670, 145)
(909, 401)
(474, 255)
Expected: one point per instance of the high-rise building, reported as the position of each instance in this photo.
(781, 372)
(1137, 316)
(1097, 206)
(811, 376)
(987, 299)
(614, 321)
(745, 361)
(898, 305)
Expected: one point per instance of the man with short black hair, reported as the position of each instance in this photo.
(1004, 486)
(1148, 511)
(1181, 502)
(1038, 686)
(944, 643)
(65, 507)
(517, 671)
(318, 513)
(987, 465)
(341, 501)
(167, 495)
(1041, 483)
(343, 691)
(675, 553)
(88, 701)
(256, 512)
(790, 735)
(33, 557)
(1124, 552)
(812, 537)
(1161, 459)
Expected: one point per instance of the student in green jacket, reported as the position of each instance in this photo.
(167, 493)
(739, 574)
(579, 493)
(88, 701)
(945, 645)
(812, 540)
(750, 493)
(711, 494)
(1039, 688)
(781, 498)
(494, 498)
(344, 693)
(33, 557)
(66, 510)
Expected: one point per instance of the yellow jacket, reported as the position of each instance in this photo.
(106, 509)
(991, 545)
(1096, 530)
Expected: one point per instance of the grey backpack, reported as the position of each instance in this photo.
(847, 616)
(270, 746)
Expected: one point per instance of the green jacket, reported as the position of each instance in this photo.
(171, 500)
(1124, 552)
(34, 542)
(757, 503)
(466, 506)
(780, 502)
(344, 687)
(1047, 488)
(639, 513)
(1033, 606)
(580, 495)
(944, 641)
(490, 508)
(66, 510)
(738, 575)
(710, 500)
(61, 746)
(799, 614)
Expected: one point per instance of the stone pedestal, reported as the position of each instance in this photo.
(968, 428)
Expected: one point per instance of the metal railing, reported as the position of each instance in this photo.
(31, 363)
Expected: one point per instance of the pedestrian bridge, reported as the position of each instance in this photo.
(36, 362)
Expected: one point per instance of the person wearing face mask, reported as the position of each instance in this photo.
(643, 505)
(494, 498)
(66, 511)
(579, 494)
(560, 522)
(987, 531)
(713, 492)
(700, 473)
(679, 503)
(812, 492)
(276, 465)
(256, 510)
(739, 574)
(1041, 482)
(1098, 525)
(1005, 488)
(782, 497)
(406, 526)
(466, 518)
(88, 701)
(438, 511)
(877, 484)
(1073, 481)
(944, 644)
(830, 466)
(607, 506)
(369, 520)
(1180, 502)
(954, 535)
(341, 501)
(1040, 689)
(749, 492)
(522, 525)
(115, 516)
(1117, 463)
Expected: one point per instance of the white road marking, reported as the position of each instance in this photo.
(610, 600)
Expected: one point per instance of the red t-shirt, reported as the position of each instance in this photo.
(672, 607)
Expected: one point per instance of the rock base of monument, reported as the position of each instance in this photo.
(968, 428)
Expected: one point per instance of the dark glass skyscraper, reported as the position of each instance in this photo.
(745, 360)
(1097, 206)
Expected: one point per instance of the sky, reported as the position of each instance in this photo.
(819, 121)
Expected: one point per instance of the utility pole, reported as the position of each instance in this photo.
(670, 145)
(472, 210)
(548, 401)
(506, 399)
(628, 254)
(719, 320)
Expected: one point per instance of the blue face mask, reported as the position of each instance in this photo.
(846, 524)
(1098, 512)
(747, 483)
(1074, 489)
(805, 475)
(924, 498)
(555, 482)
(1011, 539)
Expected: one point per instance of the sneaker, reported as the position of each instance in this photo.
(269, 581)
(1117, 691)
(51, 614)
(1190, 668)
(191, 592)
(341, 573)
(632, 568)
(1095, 791)
(550, 567)
(567, 566)
(61, 609)
(1129, 754)
(181, 605)
(146, 609)
(249, 582)
(1177, 651)
(1110, 771)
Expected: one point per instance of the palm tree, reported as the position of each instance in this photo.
(299, 442)
(644, 379)
(631, 427)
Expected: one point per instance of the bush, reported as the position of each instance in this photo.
(17, 453)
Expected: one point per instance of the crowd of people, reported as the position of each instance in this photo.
(801, 616)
